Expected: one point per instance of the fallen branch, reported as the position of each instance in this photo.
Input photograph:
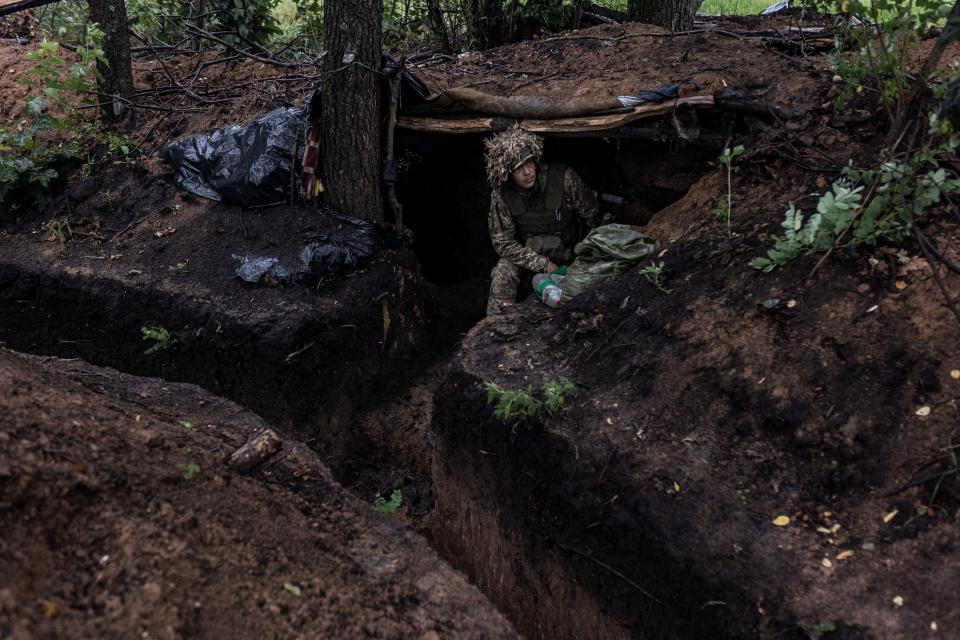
(211, 37)
(256, 451)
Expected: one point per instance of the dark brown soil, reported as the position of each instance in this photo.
(614, 60)
(702, 416)
(105, 536)
(140, 254)
(646, 507)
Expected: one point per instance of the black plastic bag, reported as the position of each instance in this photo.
(247, 165)
(254, 269)
(345, 247)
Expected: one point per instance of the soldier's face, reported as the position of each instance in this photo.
(525, 175)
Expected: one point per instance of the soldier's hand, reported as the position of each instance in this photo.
(551, 267)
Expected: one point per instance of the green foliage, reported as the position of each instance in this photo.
(724, 210)
(180, 267)
(521, 404)
(653, 272)
(382, 505)
(161, 339)
(878, 58)
(300, 18)
(190, 470)
(823, 628)
(251, 20)
(900, 188)
(555, 393)
(513, 403)
(47, 131)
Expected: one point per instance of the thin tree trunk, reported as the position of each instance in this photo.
(675, 15)
(117, 82)
(350, 107)
(437, 25)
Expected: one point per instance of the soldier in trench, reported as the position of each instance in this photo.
(538, 212)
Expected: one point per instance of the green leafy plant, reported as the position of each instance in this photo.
(868, 205)
(877, 58)
(383, 505)
(60, 230)
(521, 404)
(161, 339)
(190, 470)
(653, 272)
(119, 149)
(555, 394)
(48, 131)
(724, 210)
(251, 20)
(822, 628)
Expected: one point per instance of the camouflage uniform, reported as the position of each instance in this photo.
(514, 255)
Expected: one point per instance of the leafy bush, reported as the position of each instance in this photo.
(48, 131)
(877, 57)
(869, 205)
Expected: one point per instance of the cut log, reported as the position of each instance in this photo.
(446, 125)
(256, 451)
(593, 123)
(525, 106)
(556, 125)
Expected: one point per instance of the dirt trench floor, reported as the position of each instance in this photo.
(121, 519)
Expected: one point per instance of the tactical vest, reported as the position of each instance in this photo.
(542, 216)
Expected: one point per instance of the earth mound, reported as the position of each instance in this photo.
(121, 518)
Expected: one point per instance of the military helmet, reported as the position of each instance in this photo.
(508, 150)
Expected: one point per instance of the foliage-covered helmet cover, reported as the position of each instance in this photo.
(508, 149)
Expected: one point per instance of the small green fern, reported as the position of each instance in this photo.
(523, 405)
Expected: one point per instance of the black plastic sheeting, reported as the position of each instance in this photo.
(243, 165)
(340, 249)
(251, 165)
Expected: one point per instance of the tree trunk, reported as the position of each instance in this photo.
(437, 25)
(350, 107)
(117, 81)
(675, 15)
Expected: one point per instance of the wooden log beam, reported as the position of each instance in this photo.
(594, 123)
(486, 124)
(446, 125)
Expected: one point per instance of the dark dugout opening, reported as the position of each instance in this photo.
(445, 198)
